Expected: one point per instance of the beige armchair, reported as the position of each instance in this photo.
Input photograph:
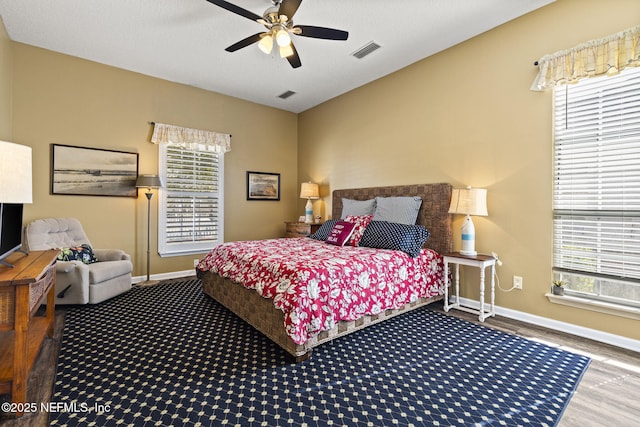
(78, 282)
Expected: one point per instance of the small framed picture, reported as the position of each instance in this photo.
(263, 186)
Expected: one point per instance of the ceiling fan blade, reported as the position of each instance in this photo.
(294, 59)
(321, 32)
(244, 42)
(289, 8)
(235, 9)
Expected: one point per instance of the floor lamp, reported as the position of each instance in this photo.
(149, 182)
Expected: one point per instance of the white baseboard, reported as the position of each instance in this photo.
(593, 334)
(165, 276)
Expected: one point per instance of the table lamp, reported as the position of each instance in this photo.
(468, 201)
(309, 191)
(15, 191)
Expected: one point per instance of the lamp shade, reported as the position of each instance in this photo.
(309, 190)
(15, 173)
(469, 201)
(266, 44)
(282, 38)
(148, 181)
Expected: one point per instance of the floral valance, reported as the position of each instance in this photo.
(191, 138)
(596, 57)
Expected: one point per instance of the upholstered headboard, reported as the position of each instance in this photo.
(433, 214)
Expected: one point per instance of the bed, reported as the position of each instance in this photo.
(222, 284)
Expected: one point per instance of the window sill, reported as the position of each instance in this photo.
(599, 306)
(201, 252)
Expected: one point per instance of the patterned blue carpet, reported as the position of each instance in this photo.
(169, 355)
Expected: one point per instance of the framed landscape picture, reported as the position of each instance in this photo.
(263, 186)
(93, 171)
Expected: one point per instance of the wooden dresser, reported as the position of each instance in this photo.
(23, 288)
(300, 229)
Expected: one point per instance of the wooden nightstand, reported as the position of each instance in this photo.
(481, 261)
(300, 229)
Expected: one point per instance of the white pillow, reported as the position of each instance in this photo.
(403, 210)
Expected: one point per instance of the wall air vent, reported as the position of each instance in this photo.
(286, 94)
(366, 50)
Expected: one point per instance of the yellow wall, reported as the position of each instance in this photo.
(6, 83)
(58, 99)
(466, 116)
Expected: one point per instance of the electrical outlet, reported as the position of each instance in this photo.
(517, 282)
(195, 262)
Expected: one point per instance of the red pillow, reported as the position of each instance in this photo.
(361, 222)
(340, 233)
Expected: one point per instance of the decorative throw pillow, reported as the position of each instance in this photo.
(403, 210)
(323, 231)
(340, 233)
(357, 207)
(390, 235)
(361, 222)
(82, 253)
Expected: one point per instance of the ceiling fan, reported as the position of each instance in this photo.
(278, 20)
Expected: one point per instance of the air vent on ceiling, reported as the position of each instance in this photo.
(286, 94)
(366, 50)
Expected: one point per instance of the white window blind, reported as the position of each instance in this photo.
(191, 208)
(597, 186)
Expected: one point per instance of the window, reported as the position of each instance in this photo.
(596, 217)
(191, 201)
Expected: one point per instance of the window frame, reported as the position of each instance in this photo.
(170, 249)
(580, 280)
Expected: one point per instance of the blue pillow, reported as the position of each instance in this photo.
(391, 235)
(323, 232)
(82, 253)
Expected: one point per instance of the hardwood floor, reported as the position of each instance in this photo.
(41, 380)
(608, 395)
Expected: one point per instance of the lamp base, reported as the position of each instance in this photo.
(468, 238)
(148, 283)
(469, 253)
(308, 212)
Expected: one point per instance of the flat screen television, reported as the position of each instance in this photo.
(10, 229)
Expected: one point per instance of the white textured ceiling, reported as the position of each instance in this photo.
(183, 40)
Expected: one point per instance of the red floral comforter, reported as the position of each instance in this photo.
(316, 284)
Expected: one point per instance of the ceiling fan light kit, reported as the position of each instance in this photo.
(282, 37)
(266, 44)
(278, 21)
(286, 51)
